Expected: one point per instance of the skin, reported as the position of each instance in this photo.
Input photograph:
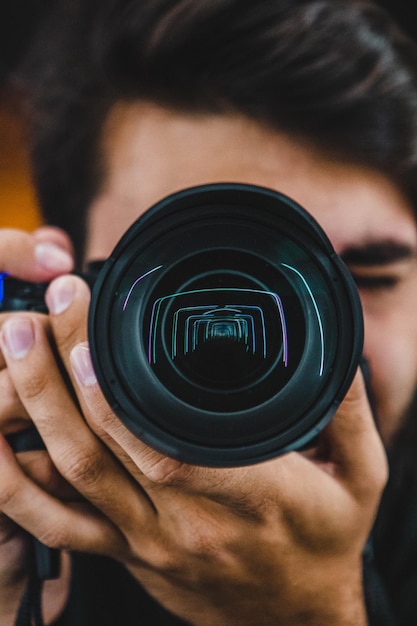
(215, 545)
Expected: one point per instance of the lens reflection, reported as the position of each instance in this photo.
(221, 342)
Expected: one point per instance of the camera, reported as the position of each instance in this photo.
(224, 329)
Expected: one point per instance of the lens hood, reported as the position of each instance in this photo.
(224, 329)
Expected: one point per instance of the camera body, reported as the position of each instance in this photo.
(224, 329)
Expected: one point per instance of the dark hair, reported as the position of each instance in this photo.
(336, 73)
(18, 23)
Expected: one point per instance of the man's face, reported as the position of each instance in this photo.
(150, 152)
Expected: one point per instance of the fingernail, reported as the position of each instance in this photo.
(60, 294)
(18, 337)
(82, 366)
(53, 257)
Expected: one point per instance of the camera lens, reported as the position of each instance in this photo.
(224, 329)
(219, 338)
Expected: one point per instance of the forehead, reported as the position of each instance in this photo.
(149, 152)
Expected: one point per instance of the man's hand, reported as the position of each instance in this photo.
(276, 543)
(37, 257)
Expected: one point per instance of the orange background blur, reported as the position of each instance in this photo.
(18, 207)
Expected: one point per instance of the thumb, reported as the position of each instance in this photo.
(351, 440)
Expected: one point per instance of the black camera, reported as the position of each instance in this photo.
(224, 329)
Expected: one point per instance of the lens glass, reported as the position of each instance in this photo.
(225, 330)
(222, 330)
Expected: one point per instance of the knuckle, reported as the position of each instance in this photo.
(82, 467)
(203, 537)
(11, 409)
(39, 467)
(201, 543)
(165, 471)
(56, 537)
(8, 493)
(162, 559)
(34, 386)
(102, 421)
(68, 335)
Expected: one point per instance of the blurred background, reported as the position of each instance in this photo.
(18, 24)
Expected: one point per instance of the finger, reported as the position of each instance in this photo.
(77, 453)
(13, 419)
(25, 256)
(68, 299)
(55, 235)
(13, 415)
(57, 525)
(37, 465)
(43, 319)
(351, 441)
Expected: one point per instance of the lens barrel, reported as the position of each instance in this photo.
(224, 329)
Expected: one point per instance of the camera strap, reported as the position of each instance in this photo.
(30, 610)
(45, 566)
(45, 561)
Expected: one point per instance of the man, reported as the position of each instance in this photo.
(317, 100)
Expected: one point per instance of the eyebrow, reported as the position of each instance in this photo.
(378, 253)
